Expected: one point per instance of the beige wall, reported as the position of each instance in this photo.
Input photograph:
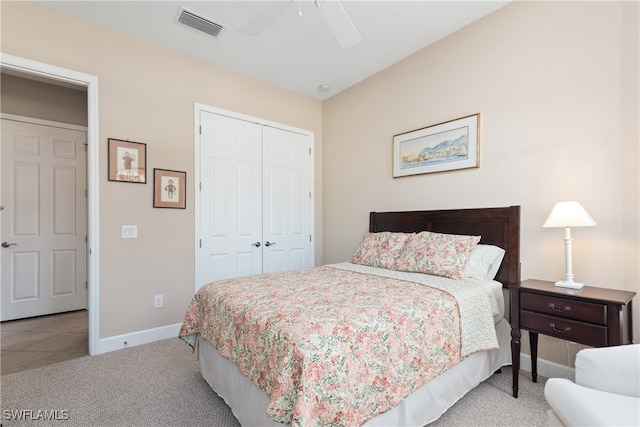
(556, 85)
(147, 94)
(25, 97)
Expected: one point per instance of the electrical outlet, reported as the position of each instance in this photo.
(158, 301)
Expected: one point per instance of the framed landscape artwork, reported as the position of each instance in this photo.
(443, 147)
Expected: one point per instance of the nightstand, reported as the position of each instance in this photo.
(592, 316)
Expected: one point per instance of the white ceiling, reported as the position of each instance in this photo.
(295, 52)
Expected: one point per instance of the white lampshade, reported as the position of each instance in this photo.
(568, 214)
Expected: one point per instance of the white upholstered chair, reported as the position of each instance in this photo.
(606, 391)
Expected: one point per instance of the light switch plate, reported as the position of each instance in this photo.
(129, 231)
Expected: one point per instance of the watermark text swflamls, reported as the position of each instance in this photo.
(35, 415)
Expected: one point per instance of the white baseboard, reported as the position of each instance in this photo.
(118, 342)
(547, 369)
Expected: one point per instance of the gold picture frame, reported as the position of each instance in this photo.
(169, 189)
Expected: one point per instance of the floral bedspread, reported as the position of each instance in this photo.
(333, 346)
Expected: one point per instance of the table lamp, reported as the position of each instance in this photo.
(567, 215)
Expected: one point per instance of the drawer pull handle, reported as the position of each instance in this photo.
(566, 328)
(552, 306)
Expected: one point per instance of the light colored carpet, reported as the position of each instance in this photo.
(159, 384)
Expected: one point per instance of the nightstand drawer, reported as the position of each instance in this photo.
(584, 333)
(563, 307)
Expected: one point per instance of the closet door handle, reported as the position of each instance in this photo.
(256, 244)
(268, 243)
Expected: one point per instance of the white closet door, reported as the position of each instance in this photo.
(286, 200)
(231, 197)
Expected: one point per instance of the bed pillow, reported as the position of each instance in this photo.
(484, 262)
(435, 253)
(379, 249)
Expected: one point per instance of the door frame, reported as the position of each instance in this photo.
(199, 108)
(47, 73)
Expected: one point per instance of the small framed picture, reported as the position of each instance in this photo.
(169, 189)
(127, 161)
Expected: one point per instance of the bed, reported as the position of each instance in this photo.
(338, 352)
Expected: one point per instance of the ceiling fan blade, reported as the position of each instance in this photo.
(258, 22)
(338, 20)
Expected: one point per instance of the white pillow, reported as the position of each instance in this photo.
(484, 262)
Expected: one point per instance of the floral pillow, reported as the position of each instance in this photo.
(435, 253)
(379, 249)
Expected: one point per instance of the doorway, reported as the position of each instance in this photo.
(48, 73)
(43, 257)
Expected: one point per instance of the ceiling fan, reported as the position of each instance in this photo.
(332, 11)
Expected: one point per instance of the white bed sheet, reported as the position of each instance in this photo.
(427, 404)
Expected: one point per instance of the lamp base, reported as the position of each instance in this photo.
(571, 285)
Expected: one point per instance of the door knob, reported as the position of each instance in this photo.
(256, 244)
(6, 245)
(268, 243)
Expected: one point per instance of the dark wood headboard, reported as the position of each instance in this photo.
(497, 226)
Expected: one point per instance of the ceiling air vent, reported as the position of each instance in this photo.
(199, 23)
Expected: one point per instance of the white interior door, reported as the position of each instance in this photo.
(231, 198)
(44, 221)
(286, 200)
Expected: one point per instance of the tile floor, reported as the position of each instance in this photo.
(38, 341)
